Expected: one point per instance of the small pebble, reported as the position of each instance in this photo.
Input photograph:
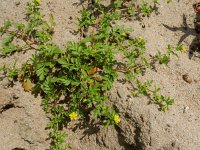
(186, 109)
(187, 78)
(15, 96)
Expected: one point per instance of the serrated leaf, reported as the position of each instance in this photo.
(62, 80)
(5, 27)
(19, 26)
(63, 62)
(85, 40)
(8, 39)
(41, 71)
(47, 86)
(9, 49)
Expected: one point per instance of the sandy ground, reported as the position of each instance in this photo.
(143, 126)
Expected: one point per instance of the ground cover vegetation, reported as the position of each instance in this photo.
(73, 81)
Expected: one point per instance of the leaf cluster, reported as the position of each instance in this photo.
(36, 31)
(74, 80)
(10, 72)
(145, 89)
(171, 51)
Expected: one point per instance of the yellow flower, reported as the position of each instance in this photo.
(116, 119)
(183, 49)
(73, 116)
(123, 34)
(140, 37)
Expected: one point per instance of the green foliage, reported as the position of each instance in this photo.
(163, 101)
(146, 9)
(73, 81)
(171, 51)
(145, 89)
(86, 19)
(35, 32)
(7, 45)
(10, 72)
(118, 4)
(5, 27)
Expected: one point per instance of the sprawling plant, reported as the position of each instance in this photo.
(73, 81)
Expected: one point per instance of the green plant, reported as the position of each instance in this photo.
(171, 51)
(35, 32)
(73, 81)
(10, 72)
(145, 89)
(87, 19)
(163, 101)
(146, 9)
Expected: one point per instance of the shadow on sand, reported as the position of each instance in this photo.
(195, 45)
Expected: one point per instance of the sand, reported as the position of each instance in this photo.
(143, 126)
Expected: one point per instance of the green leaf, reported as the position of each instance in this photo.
(62, 80)
(8, 39)
(43, 69)
(6, 25)
(47, 86)
(87, 39)
(63, 62)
